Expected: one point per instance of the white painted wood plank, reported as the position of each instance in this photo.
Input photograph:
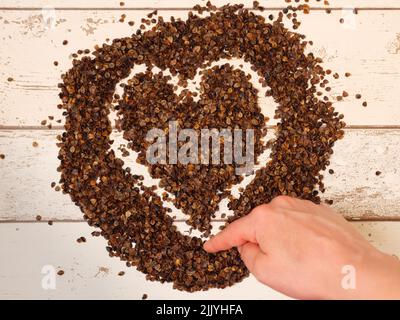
(91, 274)
(26, 175)
(27, 172)
(185, 4)
(370, 51)
(354, 187)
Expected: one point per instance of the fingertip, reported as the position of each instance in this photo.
(208, 246)
(217, 243)
(234, 235)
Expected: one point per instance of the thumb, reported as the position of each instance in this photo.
(254, 258)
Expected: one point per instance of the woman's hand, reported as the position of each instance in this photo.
(308, 251)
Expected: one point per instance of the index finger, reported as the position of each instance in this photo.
(235, 234)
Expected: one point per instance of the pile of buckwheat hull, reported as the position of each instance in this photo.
(131, 216)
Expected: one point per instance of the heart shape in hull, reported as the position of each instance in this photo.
(227, 100)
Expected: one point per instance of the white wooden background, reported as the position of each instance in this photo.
(369, 49)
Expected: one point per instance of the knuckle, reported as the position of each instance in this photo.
(261, 212)
(265, 214)
(281, 201)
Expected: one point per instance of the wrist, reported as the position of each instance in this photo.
(391, 276)
(380, 277)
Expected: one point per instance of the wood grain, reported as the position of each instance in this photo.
(367, 45)
(91, 274)
(27, 172)
(369, 49)
(145, 4)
